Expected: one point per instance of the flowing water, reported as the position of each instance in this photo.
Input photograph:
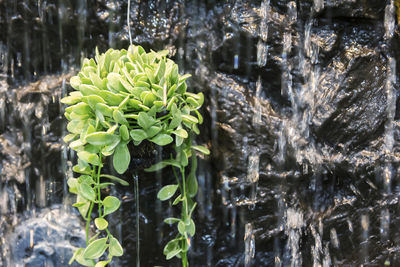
(300, 115)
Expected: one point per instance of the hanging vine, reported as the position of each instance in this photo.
(125, 96)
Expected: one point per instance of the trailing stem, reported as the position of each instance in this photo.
(136, 178)
(184, 217)
(96, 177)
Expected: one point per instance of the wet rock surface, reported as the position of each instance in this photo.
(296, 114)
(47, 238)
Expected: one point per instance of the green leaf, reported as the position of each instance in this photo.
(101, 223)
(138, 135)
(93, 238)
(95, 249)
(160, 70)
(79, 204)
(142, 84)
(101, 138)
(171, 246)
(193, 102)
(80, 169)
(182, 86)
(149, 99)
(171, 102)
(173, 77)
(152, 131)
(123, 104)
(104, 109)
(73, 185)
(97, 81)
(111, 98)
(112, 129)
(87, 191)
(100, 117)
(76, 116)
(181, 227)
(119, 117)
(199, 116)
(150, 74)
(181, 133)
(191, 228)
(173, 253)
(71, 100)
(86, 179)
(177, 200)
(76, 126)
(162, 139)
(184, 77)
(176, 121)
(189, 118)
(114, 82)
(115, 248)
(167, 192)
(69, 137)
(179, 140)
(93, 100)
(74, 255)
(88, 90)
(121, 158)
(119, 180)
(162, 164)
(89, 157)
(171, 220)
(162, 53)
(103, 185)
(145, 121)
(135, 104)
(109, 149)
(75, 81)
(143, 107)
(110, 204)
(102, 263)
(78, 256)
(171, 91)
(192, 184)
(202, 149)
(83, 209)
(195, 129)
(182, 158)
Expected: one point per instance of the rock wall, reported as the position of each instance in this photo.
(298, 95)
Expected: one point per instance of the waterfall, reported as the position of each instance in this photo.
(300, 114)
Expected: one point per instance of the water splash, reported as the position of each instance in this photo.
(364, 237)
(249, 242)
(389, 23)
(293, 229)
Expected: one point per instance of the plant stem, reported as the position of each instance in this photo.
(98, 183)
(88, 222)
(89, 214)
(136, 178)
(184, 217)
(177, 179)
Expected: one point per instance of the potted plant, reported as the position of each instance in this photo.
(125, 97)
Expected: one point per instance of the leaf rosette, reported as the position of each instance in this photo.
(128, 95)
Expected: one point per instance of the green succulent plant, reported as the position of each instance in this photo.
(125, 96)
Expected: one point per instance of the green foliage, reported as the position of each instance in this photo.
(121, 97)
